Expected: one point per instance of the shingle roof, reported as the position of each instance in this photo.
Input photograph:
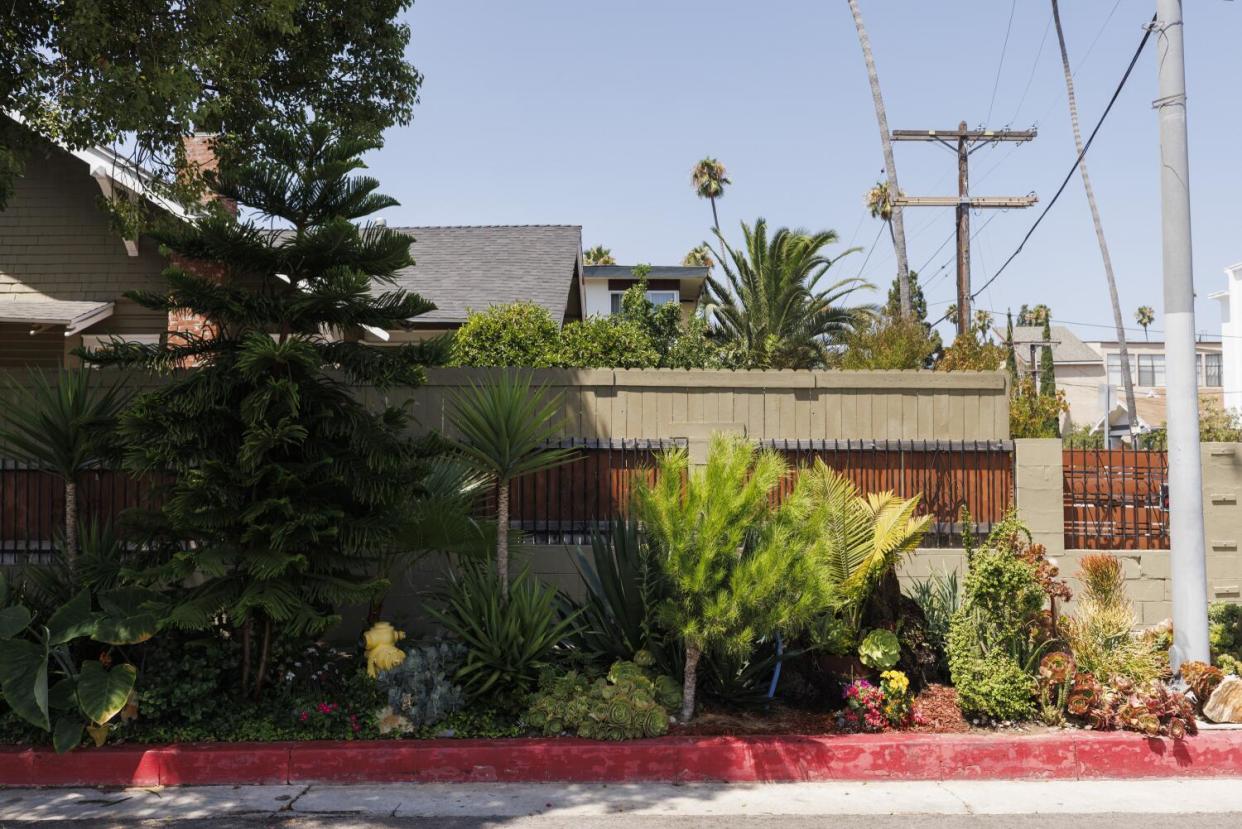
(1068, 348)
(74, 315)
(471, 268)
(656, 272)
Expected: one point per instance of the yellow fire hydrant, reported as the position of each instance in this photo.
(382, 651)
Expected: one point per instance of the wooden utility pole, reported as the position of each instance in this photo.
(963, 142)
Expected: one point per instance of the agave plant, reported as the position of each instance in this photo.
(773, 303)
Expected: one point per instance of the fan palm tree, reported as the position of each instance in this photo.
(896, 224)
(700, 256)
(598, 255)
(505, 429)
(710, 180)
(1145, 316)
(771, 303)
(62, 427)
(983, 324)
(1127, 381)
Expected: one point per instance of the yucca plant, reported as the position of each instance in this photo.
(733, 572)
(62, 427)
(508, 641)
(506, 427)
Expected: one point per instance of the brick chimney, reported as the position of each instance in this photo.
(200, 157)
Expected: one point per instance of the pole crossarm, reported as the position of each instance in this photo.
(968, 135)
(973, 202)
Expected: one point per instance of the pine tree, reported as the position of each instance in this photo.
(286, 486)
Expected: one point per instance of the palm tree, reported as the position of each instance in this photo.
(1145, 316)
(505, 429)
(983, 324)
(1127, 382)
(62, 428)
(700, 256)
(771, 303)
(709, 180)
(598, 255)
(896, 224)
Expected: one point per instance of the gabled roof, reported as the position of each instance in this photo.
(656, 272)
(1068, 349)
(472, 268)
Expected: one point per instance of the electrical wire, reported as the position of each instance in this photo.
(1034, 66)
(1074, 168)
(1004, 48)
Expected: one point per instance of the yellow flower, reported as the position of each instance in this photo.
(895, 682)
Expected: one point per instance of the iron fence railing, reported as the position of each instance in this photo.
(1115, 499)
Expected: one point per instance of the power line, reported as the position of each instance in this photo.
(1034, 66)
(1073, 168)
(871, 250)
(1004, 48)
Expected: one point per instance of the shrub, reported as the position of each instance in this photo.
(1100, 634)
(508, 643)
(939, 597)
(1035, 415)
(519, 334)
(994, 685)
(1225, 635)
(888, 343)
(629, 704)
(968, 353)
(421, 691)
(604, 342)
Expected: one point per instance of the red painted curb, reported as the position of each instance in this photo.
(1063, 756)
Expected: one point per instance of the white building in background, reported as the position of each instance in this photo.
(1231, 336)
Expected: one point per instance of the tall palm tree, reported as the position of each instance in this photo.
(896, 224)
(771, 303)
(62, 428)
(1127, 381)
(505, 429)
(700, 256)
(1145, 316)
(710, 180)
(598, 255)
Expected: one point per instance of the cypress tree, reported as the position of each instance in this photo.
(1011, 357)
(1048, 377)
(284, 484)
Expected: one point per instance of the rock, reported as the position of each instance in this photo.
(1225, 704)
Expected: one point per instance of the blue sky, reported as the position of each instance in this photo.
(593, 113)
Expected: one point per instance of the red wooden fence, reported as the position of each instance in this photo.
(1115, 499)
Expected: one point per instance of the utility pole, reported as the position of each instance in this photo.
(1189, 571)
(965, 142)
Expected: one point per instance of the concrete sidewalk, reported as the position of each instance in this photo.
(646, 804)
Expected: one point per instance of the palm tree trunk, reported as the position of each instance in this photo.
(715, 218)
(502, 538)
(890, 164)
(1126, 381)
(71, 524)
(691, 681)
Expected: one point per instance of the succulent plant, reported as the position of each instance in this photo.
(421, 688)
(1202, 679)
(880, 649)
(626, 705)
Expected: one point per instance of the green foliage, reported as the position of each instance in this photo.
(518, 334)
(421, 691)
(598, 255)
(939, 597)
(969, 353)
(509, 642)
(285, 485)
(1100, 633)
(997, 634)
(1225, 635)
(1034, 414)
(879, 649)
(890, 343)
(41, 671)
(604, 342)
(1082, 437)
(1216, 425)
(629, 704)
(771, 306)
(86, 77)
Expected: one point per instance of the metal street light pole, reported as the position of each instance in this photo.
(1190, 626)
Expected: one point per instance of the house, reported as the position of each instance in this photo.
(1089, 373)
(1231, 336)
(64, 270)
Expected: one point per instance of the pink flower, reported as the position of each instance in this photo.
(304, 716)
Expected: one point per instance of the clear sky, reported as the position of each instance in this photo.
(592, 112)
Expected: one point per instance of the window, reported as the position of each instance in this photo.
(1151, 370)
(656, 298)
(1212, 370)
(1114, 370)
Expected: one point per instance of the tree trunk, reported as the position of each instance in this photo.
(247, 639)
(502, 538)
(715, 218)
(690, 682)
(1126, 380)
(265, 652)
(71, 524)
(890, 165)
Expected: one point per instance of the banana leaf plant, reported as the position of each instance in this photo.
(42, 675)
